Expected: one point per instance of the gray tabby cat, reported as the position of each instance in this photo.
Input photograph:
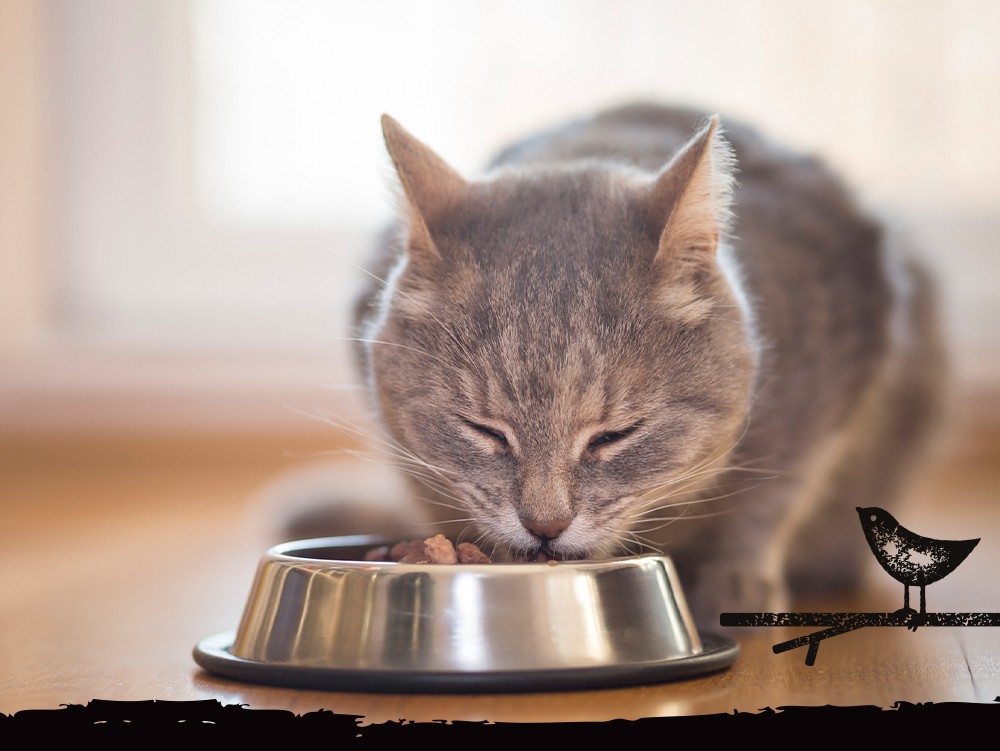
(606, 345)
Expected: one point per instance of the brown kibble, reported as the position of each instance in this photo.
(408, 547)
(437, 549)
(378, 554)
(470, 553)
(440, 550)
(415, 558)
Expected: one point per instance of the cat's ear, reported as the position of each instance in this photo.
(430, 184)
(691, 196)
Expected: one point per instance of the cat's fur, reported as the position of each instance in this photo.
(606, 343)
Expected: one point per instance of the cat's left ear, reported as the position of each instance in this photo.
(691, 196)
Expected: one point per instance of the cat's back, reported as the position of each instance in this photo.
(648, 135)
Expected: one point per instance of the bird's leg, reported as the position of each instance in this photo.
(919, 619)
(906, 611)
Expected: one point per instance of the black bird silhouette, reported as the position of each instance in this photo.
(909, 558)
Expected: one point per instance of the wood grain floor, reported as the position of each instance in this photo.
(119, 553)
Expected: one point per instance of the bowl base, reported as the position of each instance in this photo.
(213, 654)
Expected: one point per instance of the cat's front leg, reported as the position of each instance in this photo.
(734, 562)
(734, 586)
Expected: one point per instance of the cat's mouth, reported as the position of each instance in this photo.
(544, 553)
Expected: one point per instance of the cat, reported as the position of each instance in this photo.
(651, 330)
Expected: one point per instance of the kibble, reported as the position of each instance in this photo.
(437, 549)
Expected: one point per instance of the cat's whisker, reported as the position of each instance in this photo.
(661, 506)
(458, 504)
(345, 386)
(418, 350)
(717, 456)
(392, 447)
(649, 497)
(653, 499)
(690, 504)
(385, 285)
(685, 514)
(704, 469)
(410, 461)
(640, 542)
(679, 485)
(667, 520)
(434, 478)
(725, 320)
(453, 520)
(446, 490)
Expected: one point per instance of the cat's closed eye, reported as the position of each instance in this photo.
(606, 438)
(493, 434)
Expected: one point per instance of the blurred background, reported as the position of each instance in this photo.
(187, 186)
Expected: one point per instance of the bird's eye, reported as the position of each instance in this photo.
(873, 517)
(492, 433)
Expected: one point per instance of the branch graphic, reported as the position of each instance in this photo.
(842, 623)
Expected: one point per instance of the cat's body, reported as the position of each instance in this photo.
(581, 346)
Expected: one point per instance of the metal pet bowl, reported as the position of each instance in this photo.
(321, 617)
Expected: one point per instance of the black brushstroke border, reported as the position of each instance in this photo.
(103, 718)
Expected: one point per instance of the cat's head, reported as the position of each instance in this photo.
(558, 346)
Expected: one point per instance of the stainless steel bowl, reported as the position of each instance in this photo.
(319, 616)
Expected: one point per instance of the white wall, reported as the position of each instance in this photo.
(214, 168)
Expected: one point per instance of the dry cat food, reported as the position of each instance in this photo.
(436, 549)
(439, 549)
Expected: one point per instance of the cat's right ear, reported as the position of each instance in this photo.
(430, 184)
(690, 198)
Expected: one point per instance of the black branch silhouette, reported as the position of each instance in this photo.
(842, 623)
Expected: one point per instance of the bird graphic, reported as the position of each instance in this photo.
(907, 557)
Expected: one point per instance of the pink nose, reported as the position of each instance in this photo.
(546, 530)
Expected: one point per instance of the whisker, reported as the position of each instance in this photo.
(424, 308)
(651, 502)
(689, 504)
(383, 342)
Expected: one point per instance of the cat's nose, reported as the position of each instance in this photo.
(546, 530)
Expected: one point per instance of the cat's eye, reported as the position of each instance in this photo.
(493, 434)
(604, 438)
(609, 437)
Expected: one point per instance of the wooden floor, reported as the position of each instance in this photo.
(118, 554)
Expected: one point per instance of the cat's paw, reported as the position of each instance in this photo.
(724, 588)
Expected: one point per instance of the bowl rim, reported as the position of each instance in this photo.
(283, 552)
